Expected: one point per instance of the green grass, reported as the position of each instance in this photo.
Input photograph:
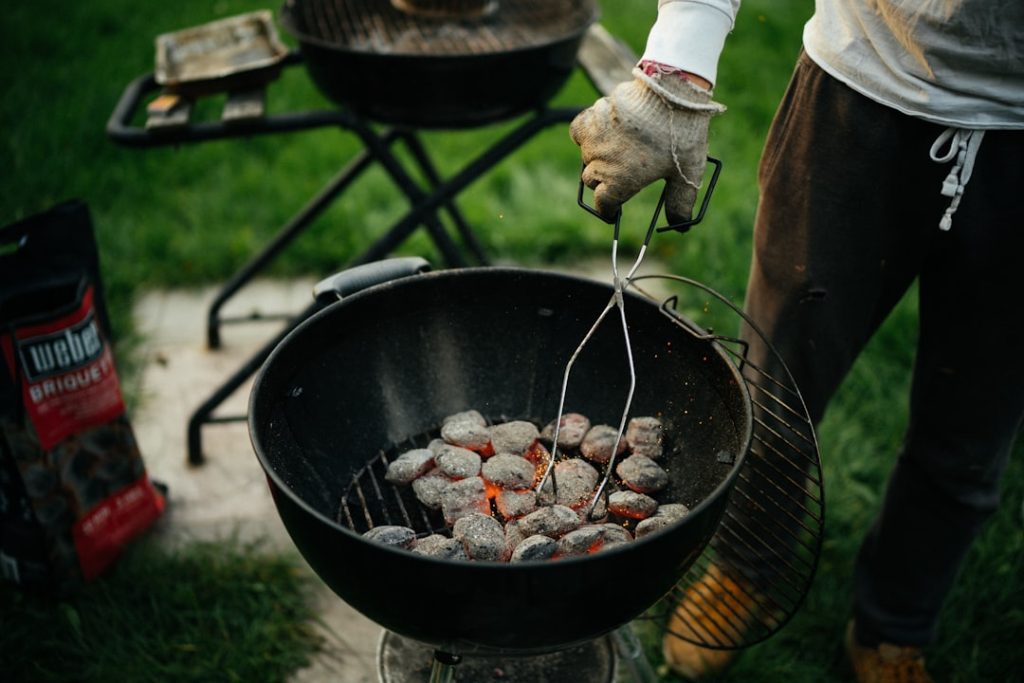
(191, 215)
(209, 612)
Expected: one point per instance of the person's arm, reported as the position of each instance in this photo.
(656, 125)
(689, 35)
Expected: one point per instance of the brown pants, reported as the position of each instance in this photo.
(849, 216)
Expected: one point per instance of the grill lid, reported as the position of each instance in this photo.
(439, 27)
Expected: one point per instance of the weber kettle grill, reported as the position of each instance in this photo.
(373, 374)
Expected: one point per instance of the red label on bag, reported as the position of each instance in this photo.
(103, 532)
(67, 374)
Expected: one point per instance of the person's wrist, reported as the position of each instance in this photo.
(652, 68)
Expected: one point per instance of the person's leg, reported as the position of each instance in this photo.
(967, 404)
(836, 246)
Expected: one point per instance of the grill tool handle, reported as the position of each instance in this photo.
(338, 286)
(683, 226)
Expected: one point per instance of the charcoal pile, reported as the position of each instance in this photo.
(484, 480)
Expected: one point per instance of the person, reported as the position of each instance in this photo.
(896, 153)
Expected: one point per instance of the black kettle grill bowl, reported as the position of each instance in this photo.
(391, 361)
(432, 90)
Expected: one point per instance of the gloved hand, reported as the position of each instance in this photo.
(655, 126)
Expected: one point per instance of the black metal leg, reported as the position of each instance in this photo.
(203, 414)
(289, 232)
(446, 191)
(428, 217)
(469, 238)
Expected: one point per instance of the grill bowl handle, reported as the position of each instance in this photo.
(338, 286)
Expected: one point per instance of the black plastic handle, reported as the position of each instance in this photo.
(352, 280)
(678, 227)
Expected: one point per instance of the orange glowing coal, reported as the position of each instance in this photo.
(492, 490)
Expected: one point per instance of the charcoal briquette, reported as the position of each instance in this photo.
(468, 434)
(580, 542)
(642, 474)
(472, 416)
(509, 471)
(514, 437)
(535, 548)
(599, 443)
(575, 482)
(513, 504)
(573, 427)
(464, 497)
(456, 462)
(409, 465)
(632, 504)
(428, 488)
(482, 537)
(553, 521)
(398, 536)
(440, 546)
(644, 436)
(666, 516)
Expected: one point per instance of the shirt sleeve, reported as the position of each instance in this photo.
(690, 34)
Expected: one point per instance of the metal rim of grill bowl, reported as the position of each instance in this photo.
(325, 23)
(364, 565)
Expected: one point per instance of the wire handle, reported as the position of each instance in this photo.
(683, 226)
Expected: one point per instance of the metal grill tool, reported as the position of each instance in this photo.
(619, 285)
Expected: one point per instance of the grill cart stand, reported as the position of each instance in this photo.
(603, 59)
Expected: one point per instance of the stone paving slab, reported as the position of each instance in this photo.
(228, 494)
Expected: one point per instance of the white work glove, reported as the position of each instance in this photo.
(655, 126)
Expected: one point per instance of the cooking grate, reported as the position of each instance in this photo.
(765, 552)
(377, 26)
(370, 501)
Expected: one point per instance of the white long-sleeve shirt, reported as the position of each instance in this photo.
(690, 34)
(954, 62)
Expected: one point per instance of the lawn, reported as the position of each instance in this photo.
(191, 215)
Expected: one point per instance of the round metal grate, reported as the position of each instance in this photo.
(756, 571)
(379, 27)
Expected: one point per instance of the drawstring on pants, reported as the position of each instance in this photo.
(963, 144)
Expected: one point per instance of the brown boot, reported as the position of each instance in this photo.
(717, 608)
(886, 663)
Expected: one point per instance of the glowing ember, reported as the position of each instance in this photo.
(484, 478)
(464, 497)
(509, 471)
(632, 504)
